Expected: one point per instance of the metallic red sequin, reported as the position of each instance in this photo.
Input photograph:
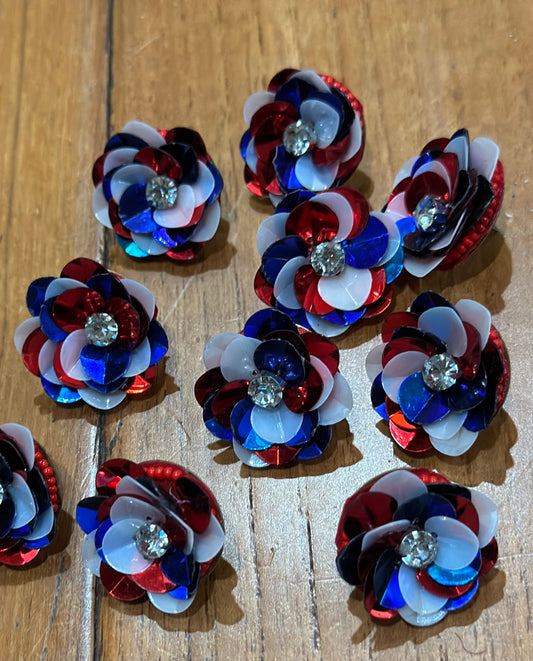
(306, 290)
(315, 223)
(278, 454)
(110, 474)
(303, 397)
(120, 586)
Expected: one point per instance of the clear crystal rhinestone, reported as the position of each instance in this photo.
(101, 329)
(428, 209)
(298, 137)
(161, 192)
(328, 258)
(265, 390)
(440, 371)
(418, 549)
(2, 493)
(151, 541)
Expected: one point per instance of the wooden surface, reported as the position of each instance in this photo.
(72, 73)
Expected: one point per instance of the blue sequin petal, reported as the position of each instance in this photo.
(265, 321)
(366, 249)
(35, 295)
(282, 359)
(178, 567)
(158, 341)
(60, 394)
(87, 513)
(213, 425)
(279, 253)
(104, 364)
(243, 431)
(419, 404)
(48, 325)
(459, 602)
(421, 508)
(318, 443)
(456, 577)
(135, 210)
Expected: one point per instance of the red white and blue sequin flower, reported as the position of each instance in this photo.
(93, 337)
(152, 531)
(326, 261)
(29, 497)
(453, 190)
(158, 191)
(440, 375)
(416, 545)
(272, 390)
(305, 131)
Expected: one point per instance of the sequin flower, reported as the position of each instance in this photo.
(29, 497)
(92, 337)
(416, 545)
(453, 190)
(305, 131)
(152, 531)
(440, 376)
(273, 391)
(158, 191)
(326, 261)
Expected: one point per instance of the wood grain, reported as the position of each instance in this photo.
(74, 72)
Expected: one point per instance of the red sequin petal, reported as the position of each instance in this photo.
(226, 398)
(313, 222)
(379, 282)
(153, 579)
(193, 501)
(111, 472)
(362, 512)
(403, 344)
(429, 476)
(128, 320)
(142, 382)
(438, 144)
(380, 305)
(207, 384)
(278, 455)
(119, 585)
(489, 555)
(427, 183)
(263, 289)
(73, 307)
(415, 440)
(360, 210)
(302, 398)
(61, 374)
(186, 136)
(323, 349)
(466, 513)
(449, 591)
(253, 184)
(395, 321)
(31, 348)
(82, 269)
(306, 290)
(19, 557)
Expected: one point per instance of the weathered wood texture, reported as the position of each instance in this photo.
(72, 72)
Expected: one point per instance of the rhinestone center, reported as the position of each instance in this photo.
(101, 329)
(440, 372)
(427, 211)
(265, 390)
(328, 258)
(151, 541)
(161, 192)
(418, 549)
(299, 137)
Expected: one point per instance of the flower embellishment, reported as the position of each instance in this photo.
(158, 191)
(416, 545)
(29, 497)
(153, 530)
(453, 190)
(440, 376)
(326, 261)
(92, 337)
(305, 131)
(272, 390)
